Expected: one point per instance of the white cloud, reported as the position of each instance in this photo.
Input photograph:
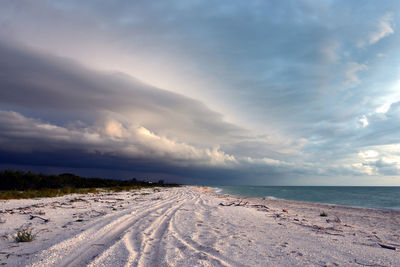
(351, 77)
(383, 29)
(383, 108)
(381, 160)
(369, 154)
(363, 121)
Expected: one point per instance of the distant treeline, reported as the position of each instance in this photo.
(19, 180)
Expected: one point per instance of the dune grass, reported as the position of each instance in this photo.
(24, 235)
(45, 192)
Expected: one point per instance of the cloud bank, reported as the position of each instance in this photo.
(293, 92)
(80, 112)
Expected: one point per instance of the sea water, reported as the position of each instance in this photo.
(376, 197)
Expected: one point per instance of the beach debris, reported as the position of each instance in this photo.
(97, 213)
(336, 220)
(31, 217)
(41, 212)
(259, 206)
(317, 227)
(78, 200)
(367, 264)
(285, 210)
(240, 204)
(222, 204)
(39, 205)
(387, 246)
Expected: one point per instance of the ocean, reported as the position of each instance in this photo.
(375, 197)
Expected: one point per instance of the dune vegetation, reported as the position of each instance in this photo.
(19, 184)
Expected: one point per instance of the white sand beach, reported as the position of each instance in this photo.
(191, 226)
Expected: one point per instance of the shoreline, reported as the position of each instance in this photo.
(192, 226)
(303, 201)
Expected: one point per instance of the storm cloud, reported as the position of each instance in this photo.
(294, 92)
(77, 113)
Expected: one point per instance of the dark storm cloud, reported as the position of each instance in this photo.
(311, 81)
(55, 88)
(50, 104)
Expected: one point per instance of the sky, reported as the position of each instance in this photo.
(203, 92)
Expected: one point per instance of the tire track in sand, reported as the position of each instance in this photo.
(140, 243)
(209, 252)
(150, 252)
(84, 247)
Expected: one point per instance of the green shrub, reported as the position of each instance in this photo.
(24, 235)
(323, 214)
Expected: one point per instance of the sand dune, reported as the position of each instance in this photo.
(191, 226)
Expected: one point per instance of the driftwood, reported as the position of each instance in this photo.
(387, 246)
(240, 204)
(234, 204)
(222, 204)
(34, 216)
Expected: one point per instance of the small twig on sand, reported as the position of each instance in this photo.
(222, 204)
(34, 216)
(365, 264)
(387, 246)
